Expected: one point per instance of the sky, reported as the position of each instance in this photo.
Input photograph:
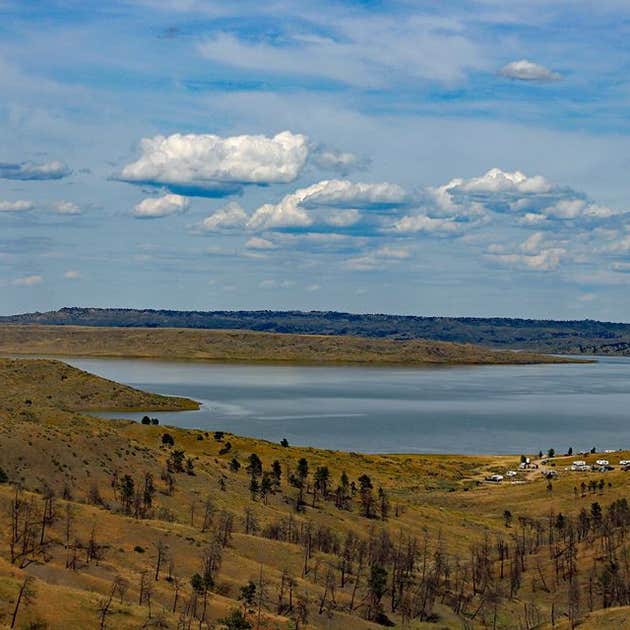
(464, 158)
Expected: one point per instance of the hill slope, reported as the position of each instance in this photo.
(212, 345)
(109, 525)
(48, 383)
(568, 337)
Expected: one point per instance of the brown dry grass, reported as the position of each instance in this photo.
(42, 383)
(51, 446)
(245, 346)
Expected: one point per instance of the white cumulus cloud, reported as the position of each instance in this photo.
(497, 181)
(293, 209)
(256, 242)
(66, 207)
(276, 284)
(32, 171)
(28, 281)
(343, 218)
(384, 256)
(396, 253)
(156, 207)
(423, 223)
(525, 70)
(342, 162)
(209, 164)
(532, 219)
(620, 245)
(534, 253)
(578, 208)
(230, 217)
(16, 206)
(534, 201)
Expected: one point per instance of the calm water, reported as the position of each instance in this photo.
(494, 409)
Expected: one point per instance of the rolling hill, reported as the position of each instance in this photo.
(248, 346)
(549, 336)
(120, 525)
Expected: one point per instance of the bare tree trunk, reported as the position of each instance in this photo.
(356, 582)
(260, 596)
(25, 594)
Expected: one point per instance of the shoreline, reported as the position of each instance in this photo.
(294, 362)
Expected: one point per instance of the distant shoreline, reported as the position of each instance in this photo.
(566, 337)
(258, 348)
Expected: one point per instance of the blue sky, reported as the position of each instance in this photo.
(460, 158)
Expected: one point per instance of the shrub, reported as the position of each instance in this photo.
(3, 476)
(138, 549)
(190, 466)
(146, 420)
(168, 439)
(236, 620)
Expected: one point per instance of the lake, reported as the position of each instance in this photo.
(493, 409)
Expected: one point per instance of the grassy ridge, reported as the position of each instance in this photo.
(237, 345)
(558, 337)
(45, 383)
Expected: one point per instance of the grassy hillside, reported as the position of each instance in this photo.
(551, 336)
(88, 507)
(213, 345)
(46, 383)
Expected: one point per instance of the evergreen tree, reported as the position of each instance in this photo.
(248, 595)
(276, 470)
(254, 465)
(366, 496)
(236, 620)
(127, 492)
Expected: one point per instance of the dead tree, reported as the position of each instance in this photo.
(161, 554)
(261, 595)
(250, 522)
(26, 595)
(68, 531)
(25, 521)
(208, 514)
(328, 595)
(143, 587)
(93, 551)
(177, 587)
(104, 605)
(48, 514)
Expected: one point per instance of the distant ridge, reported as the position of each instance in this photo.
(577, 337)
